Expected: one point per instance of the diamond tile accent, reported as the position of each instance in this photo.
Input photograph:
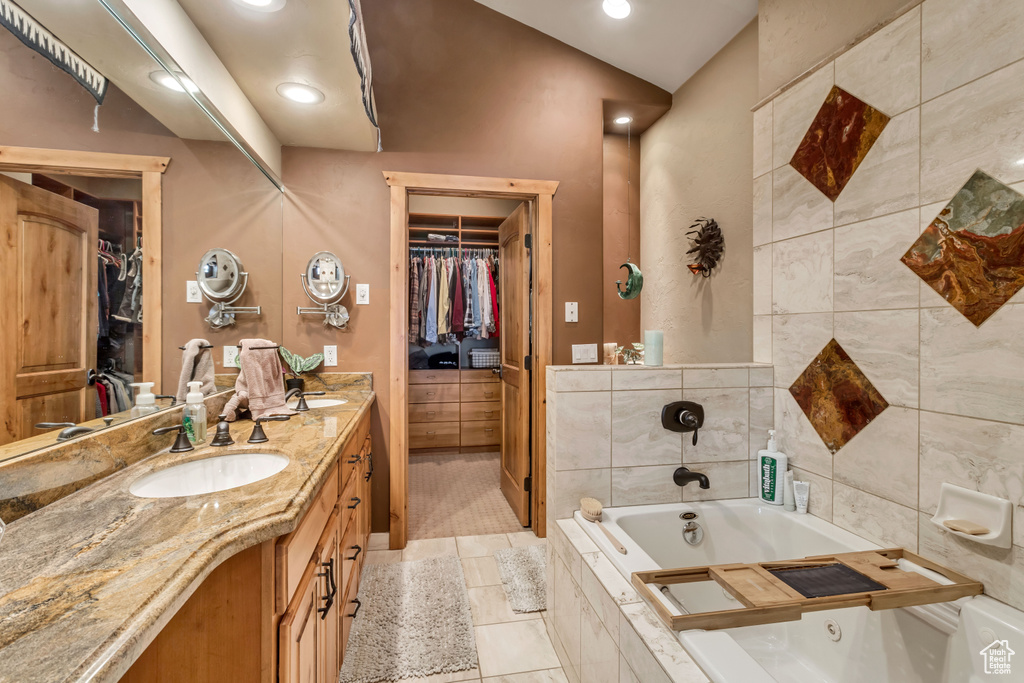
(836, 397)
(839, 138)
(972, 254)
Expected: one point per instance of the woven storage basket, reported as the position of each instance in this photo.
(484, 358)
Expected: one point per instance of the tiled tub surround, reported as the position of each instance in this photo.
(606, 441)
(823, 270)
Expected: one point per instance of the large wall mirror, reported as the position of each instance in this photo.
(113, 198)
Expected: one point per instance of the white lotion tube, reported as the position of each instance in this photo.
(801, 491)
(788, 498)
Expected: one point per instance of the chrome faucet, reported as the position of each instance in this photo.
(684, 476)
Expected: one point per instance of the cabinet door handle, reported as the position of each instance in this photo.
(488, 394)
(487, 429)
(356, 504)
(431, 413)
(431, 393)
(431, 433)
(333, 588)
(369, 459)
(358, 550)
(431, 376)
(354, 459)
(358, 605)
(488, 413)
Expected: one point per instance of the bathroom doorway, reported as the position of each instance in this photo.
(477, 406)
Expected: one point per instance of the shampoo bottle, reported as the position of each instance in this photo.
(771, 466)
(145, 400)
(195, 414)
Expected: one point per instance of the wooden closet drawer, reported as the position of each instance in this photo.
(486, 433)
(485, 375)
(433, 393)
(487, 410)
(433, 412)
(433, 434)
(433, 376)
(480, 392)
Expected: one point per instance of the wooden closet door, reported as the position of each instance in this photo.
(514, 309)
(48, 319)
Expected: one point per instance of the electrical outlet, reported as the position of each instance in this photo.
(330, 356)
(572, 312)
(362, 294)
(192, 293)
(231, 356)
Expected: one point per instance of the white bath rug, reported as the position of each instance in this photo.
(414, 621)
(522, 573)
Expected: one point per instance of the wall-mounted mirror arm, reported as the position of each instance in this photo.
(222, 280)
(323, 284)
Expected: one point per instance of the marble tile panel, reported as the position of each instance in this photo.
(762, 339)
(605, 588)
(1002, 571)
(885, 344)
(638, 438)
(973, 371)
(797, 438)
(882, 459)
(762, 418)
(568, 613)
(762, 377)
(841, 135)
(752, 480)
(802, 274)
(668, 652)
(480, 571)
(426, 549)
(577, 544)
(962, 40)
(572, 485)
(795, 109)
(798, 208)
(626, 674)
(626, 377)
(796, 340)
(645, 485)
(763, 139)
(489, 605)
(514, 648)
(867, 275)
(975, 454)
(379, 541)
(878, 520)
(519, 539)
(885, 68)
(763, 209)
(456, 677)
(819, 498)
(711, 378)
(481, 546)
(724, 435)
(571, 675)
(637, 657)
(546, 676)
(976, 126)
(728, 480)
(589, 380)
(763, 279)
(972, 254)
(888, 179)
(599, 654)
(584, 431)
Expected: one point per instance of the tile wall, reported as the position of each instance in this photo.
(950, 74)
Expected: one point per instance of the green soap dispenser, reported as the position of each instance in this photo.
(194, 419)
(771, 467)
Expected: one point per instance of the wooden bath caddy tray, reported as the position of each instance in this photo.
(772, 592)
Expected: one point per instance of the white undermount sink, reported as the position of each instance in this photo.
(318, 402)
(209, 475)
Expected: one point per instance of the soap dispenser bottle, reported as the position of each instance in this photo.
(145, 400)
(771, 466)
(194, 419)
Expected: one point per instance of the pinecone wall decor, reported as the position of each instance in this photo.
(708, 245)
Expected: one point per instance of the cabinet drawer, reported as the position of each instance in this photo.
(434, 412)
(295, 549)
(485, 433)
(488, 410)
(481, 392)
(433, 434)
(433, 376)
(485, 375)
(434, 393)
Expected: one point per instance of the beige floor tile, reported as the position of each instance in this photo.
(522, 538)
(481, 546)
(514, 648)
(380, 541)
(383, 556)
(481, 571)
(546, 676)
(489, 605)
(428, 548)
(457, 677)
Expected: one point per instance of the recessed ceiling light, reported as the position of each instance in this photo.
(168, 81)
(617, 9)
(297, 92)
(623, 120)
(262, 5)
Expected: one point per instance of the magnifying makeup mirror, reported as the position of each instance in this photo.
(222, 280)
(326, 283)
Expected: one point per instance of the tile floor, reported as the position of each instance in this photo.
(457, 494)
(512, 648)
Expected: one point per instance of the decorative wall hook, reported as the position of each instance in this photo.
(634, 283)
(708, 245)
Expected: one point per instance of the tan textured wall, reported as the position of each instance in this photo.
(697, 162)
(621, 317)
(794, 35)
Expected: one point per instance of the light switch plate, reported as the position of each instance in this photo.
(584, 353)
(331, 356)
(362, 294)
(192, 293)
(572, 312)
(231, 356)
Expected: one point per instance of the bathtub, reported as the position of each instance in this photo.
(938, 643)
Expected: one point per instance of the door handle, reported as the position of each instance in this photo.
(431, 413)
(333, 586)
(431, 393)
(358, 550)
(355, 459)
(355, 504)
(358, 605)
(488, 413)
(488, 394)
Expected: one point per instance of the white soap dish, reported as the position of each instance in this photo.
(990, 512)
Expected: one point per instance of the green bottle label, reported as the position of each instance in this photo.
(769, 471)
(190, 428)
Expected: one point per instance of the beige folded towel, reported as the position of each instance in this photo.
(196, 366)
(260, 383)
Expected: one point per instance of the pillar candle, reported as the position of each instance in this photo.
(610, 358)
(654, 345)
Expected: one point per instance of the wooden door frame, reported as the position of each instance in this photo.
(106, 165)
(540, 193)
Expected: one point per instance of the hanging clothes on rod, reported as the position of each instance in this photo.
(452, 294)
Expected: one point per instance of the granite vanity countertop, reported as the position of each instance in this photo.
(87, 582)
